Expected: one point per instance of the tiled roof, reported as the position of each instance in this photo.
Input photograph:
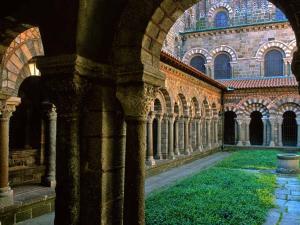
(261, 83)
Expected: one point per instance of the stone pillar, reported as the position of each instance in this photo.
(186, 137)
(216, 132)
(136, 101)
(265, 124)
(149, 153)
(247, 132)
(240, 135)
(273, 131)
(170, 138)
(7, 107)
(279, 121)
(27, 135)
(158, 147)
(199, 135)
(203, 129)
(66, 90)
(209, 131)
(50, 143)
(298, 132)
(176, 137)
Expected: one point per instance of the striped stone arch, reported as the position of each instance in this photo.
(224, 48)
(214, 109)
(230, 107)
(14, 64)
(264, 48)
(221, 5)
(256, 107)
(286, 99)
(194, 52)
(293, 47)
(250, 104)
(290, 106)
(167, 99)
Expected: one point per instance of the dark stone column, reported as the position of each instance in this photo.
(65, 88)
(199, 135)
(136, 101)
(50, 143)
(265, 133)
(7, 107)
(279, 120)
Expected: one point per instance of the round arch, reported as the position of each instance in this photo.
(195, 52)
(223, 48)
(264, 48)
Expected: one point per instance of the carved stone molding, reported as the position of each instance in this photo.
(8, 106)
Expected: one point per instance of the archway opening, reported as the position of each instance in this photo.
(229, 128)
(289, 129)
(256, 128)
(154, 129)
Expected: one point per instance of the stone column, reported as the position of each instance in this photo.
(240, 135)
(66, 90)
(279, 124)
(176, 137)
(27, 144)
(298, 132)
(264, 120)
(170, 138)
(209, 130)
(273, 131)
(199, 135)
(216, 132)
(203, 129)
(149, 153)
(7, 107)
(247, 132)
(50, 143)
(158, 147)
(136, 101)
(186, 137)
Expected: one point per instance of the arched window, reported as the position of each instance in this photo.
(198, 62)
(221, 19)
(279, 15)
(222, 67)
(273, 63)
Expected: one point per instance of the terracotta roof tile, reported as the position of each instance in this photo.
(261, 83)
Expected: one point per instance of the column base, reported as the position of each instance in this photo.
(200, 148)
(247, 143)
(150, 161)
(240, 143)
(49, 183)
(272, 144)
(171, 156)
(6, 197)
(187, 152)
(159, 157)
(177, 152)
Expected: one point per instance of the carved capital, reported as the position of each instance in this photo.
(65, 86)
(136, 99)
(8, 106)
(49, 110)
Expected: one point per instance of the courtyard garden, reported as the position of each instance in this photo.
(231, 192)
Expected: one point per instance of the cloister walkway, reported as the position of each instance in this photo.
(153, 183)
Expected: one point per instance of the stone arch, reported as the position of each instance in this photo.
(14, 65)
(195, 107)
(283, 100)
(214, 109)
(293, 47)
(217, 8)
(289, 106)
(194, 52)
(256, 107)
(159, 103)
(230, 107)
(250, 104)
(167, 99)
(184, 104)
(223, 48)
(206, 108)
(264, 48)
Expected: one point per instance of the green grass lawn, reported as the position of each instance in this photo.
(219, 195)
